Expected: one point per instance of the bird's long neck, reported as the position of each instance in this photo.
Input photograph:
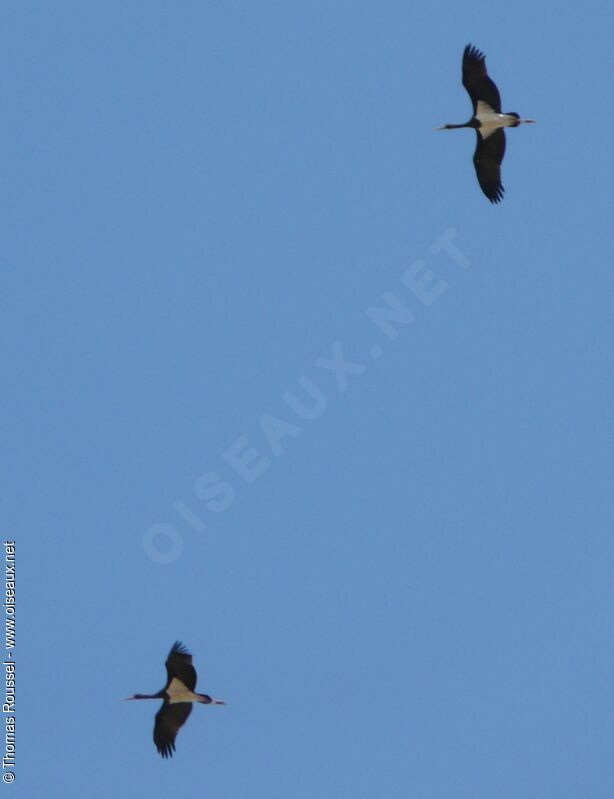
(473, 123)
(159, 695)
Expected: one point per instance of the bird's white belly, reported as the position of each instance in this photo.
(490, 121)
(177, 692)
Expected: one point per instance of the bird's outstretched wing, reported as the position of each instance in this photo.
(169, 720)
(487, 161)
(179, 665)
(476, 80)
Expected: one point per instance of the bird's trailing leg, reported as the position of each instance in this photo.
(209, 700)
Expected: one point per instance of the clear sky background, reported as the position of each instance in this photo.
(411, 594)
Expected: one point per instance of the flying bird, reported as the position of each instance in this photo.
(178, 695)
(488, 122)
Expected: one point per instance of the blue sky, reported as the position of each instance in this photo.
(403, 588)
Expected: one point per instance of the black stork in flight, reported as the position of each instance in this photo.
(178, 695)
(488, 122)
